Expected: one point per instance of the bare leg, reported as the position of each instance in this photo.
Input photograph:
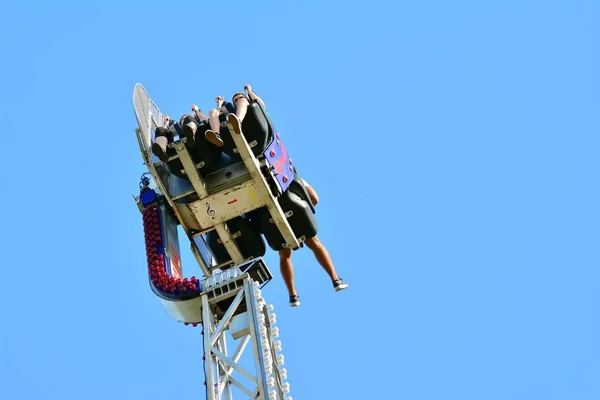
(322, 256)
(241, 108)
(287, 270)
(213, 119)
(159, 148)
(189, 128)
(212, 134)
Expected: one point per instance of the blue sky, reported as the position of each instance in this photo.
(453, 146)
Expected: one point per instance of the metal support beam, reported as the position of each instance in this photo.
(272, 205)
(252, 326)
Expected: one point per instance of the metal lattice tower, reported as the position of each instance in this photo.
(254, 332)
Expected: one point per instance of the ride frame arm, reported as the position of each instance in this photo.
(272, 204)
(200, 188)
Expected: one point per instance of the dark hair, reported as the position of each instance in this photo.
(235, 95)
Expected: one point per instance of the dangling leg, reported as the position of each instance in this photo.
(322, 256)
(287, 273)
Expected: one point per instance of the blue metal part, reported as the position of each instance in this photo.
(148, 197)
(277, 156)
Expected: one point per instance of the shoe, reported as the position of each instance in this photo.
(294, 301)
(189, 131)
(159, 152)
(339, 284)
(235, 123)
(214, 138)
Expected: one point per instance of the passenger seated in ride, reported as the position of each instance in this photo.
(215, 117)
(321, 254)
(187, 126)
(235, 113)
(241, 103)
(191, 122)
(163, 136)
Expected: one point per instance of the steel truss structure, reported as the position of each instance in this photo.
(251, 322)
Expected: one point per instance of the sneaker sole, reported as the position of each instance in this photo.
(295, 304)
(189, 135)
(235, 123)
(211, 136)
(342, 287)
(159, 152)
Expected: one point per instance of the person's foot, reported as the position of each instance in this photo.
(339, 284)
(294, 301)
(159, 152)
(189, 131)
(235, 123)
(159, 148)
(214, 138)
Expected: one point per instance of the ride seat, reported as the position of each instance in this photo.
(202, 152)
(250, 243)
(299, 211)
(257, 128)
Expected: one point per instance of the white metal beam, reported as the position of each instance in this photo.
(272, 204)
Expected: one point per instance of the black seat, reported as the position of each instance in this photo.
(257, 128)
(250, 243)
(202, 151)
(294, 201)
(205, 151)
(298, 187)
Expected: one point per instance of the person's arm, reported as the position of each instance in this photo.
(199, 114)
(222, 106)
(254, 96)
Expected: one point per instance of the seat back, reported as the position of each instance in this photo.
(202, 152)
(299, 215)
(205, 151)
(257, 129)
(250, 243)
(298, 187)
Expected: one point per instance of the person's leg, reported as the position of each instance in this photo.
(241, 108)
(322, 256)
(287, 273)
(161, 140)
(189, 127)
(212, 134)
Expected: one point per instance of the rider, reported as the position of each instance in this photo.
(215, 116)
(163, 136)
(321, 254)
(235, 112)
(188, 125)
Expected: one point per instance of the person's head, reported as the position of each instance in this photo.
(236, 97)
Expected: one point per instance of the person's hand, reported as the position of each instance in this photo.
(194, 107)
(219, 100)
(248, 88)
(166, 119)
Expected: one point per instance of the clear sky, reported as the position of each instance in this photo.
(454, 147)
